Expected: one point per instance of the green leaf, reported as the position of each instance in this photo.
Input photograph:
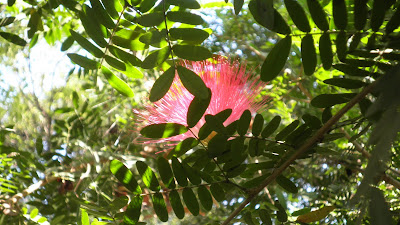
(184, 146)
(341, 45)
(339, 14)
(332, 137)
(67, 43)
(96, 52)
(112, 7)
(191, 52)
(355, 41)
(281, 213)
(184, 17)
(165, 172)
(237, 5)
(153, 37)
(162, 85)
(351, 70)
(132, 213)
(118, 203)
(148, 176)
(312, 121)
(205, 198)
(192, 174)
(308, 54)
(301, 212)
(15, 39)
(6, 21)
(318, 14)
(163, 130)
(116, 63)
(151, 19)
(264, 13)
(124, 56)
(276, 59)
(196, 109)
(244, 123)
(271, 127)
(84, 216)
(287, 130)
(101, 14)
(379, 210)
(94, 29)
(83, 61)
(160, 208)
(325, 49)
(377, 15)
(10, 2)
(176, 204)
(191, 201)
(125, 176)
(345, 83)
(146, 5)
(179, 172)
(188, 4)
(360, 14)
(217, 145)
(189, 34)
(328, 100)
(156, 58)
(117, 83)
(193, 83)
(264, 216)
(326, 114)
(394, 22)
(286, 184)
(298, 15)
(258, 124)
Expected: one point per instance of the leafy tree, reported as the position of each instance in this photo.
(323, 147)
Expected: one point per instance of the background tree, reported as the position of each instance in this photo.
(324, 149)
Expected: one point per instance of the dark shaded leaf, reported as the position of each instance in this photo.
(328, 100)
(286, 184)
(156, 58)
(153, 37)
(188, 4)
(192, 174)
(271, 127)
(179, 172)
(217, 145)
(258, 124)
(67, 43)
(341, 45)
(308, 54)
(351, 70)
(160, 208)
(191, 201)
(189, 34)
(326, 114)
(165, 172)
(148, 176)
(377, 15)
(132, 213)
(355, 40)
(116, 63)
(312, 121)
(237, 5)
(244, 123)
(264, 13)
(264, 216)
(117, 83)
(339, 14)
(191, 52)
(92, 49)
(95, 30)
(101, 14)
(332, 137)
(10, 2)
(281, 213)
(276, 59)
(215, 124)
(83, 61)
(287, 130)
(184, 17)
(163, 130)
(151, 19)
(124, 56)
(15, 39)
(146, 5)
(184, 146)
(112, 7)
(345, 83)
(6, 21)
(176, 204)
(394, 22)
(325, 49)
(193, 83)
(318, 14)
(162, 85)
(298, 15)
(196, 110)
(125, 176)
(205, 198)
(360, 14)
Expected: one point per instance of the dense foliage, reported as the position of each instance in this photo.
(322, 149)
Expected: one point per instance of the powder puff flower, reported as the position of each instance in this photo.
(231, 87)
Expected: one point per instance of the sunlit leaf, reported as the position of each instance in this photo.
(160, 208)
(163, 130)
(316, 215)
(125, 176)
(132, 213)
(117, 83)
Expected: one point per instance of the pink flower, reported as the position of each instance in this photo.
(231, 88)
